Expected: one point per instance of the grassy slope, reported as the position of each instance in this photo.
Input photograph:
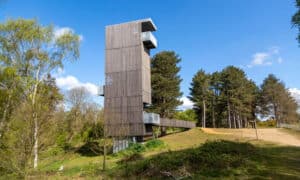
(274, 161)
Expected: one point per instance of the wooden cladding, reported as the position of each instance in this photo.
(128, 83)
(123, 35)
(176, 123)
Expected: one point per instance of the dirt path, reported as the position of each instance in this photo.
(271, 135)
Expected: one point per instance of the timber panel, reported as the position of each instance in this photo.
(146, 75)
(124, 70)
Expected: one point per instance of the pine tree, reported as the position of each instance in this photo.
(296, 19)
(277, 101)
(199, 94)
(165, 82)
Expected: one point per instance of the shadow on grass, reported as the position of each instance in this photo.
(218, 159)
(90, 149)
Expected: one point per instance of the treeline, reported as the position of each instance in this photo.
(229, 99)
(221, 99)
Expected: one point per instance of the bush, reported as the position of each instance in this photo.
(62, 142)
(217, 158)
(136, 147)
(155, 143)
(92, 132)
(268, 123)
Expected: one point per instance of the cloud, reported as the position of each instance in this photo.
(266, 58)
(64, 30)
(295, 94)
(187, 103)
(70, 82)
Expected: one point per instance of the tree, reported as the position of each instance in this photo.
(224, 95)
(165, 82)
(277, 101)
(199, 92)
(78, 100)
(215, 90)
(232, 79)
(296, 19)
(35, 51)
(18, 139)
(10, 95)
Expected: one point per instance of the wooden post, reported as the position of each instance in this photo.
(255, 129)
(104, 154)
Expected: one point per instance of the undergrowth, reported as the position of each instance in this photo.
(212, 159)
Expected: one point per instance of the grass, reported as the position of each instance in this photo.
(190, 154)
(218, 159)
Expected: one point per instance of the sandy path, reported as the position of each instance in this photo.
(271, 135)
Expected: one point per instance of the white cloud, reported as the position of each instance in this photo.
(279, 60)
(295, 94)
(69, 82)
(64, 30)
(187, 103)
(266, 58)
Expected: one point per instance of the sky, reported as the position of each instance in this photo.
(255, 35)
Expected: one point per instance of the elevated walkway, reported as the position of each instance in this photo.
(154, 119)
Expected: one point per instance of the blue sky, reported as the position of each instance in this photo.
(210, 34)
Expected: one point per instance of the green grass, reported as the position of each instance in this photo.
(218, 159)
(191, 154)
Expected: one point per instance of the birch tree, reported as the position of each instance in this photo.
(35, 51)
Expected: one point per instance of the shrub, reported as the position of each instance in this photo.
(62, 142)
(155, 143)
(136, 147)
(217, 158)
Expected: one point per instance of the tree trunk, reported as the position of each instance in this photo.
(35, 162)
(163, 131)
(234, 119)
(213, 114)
(35, 119)
(104, 154)
(229, 118)
(2, 124)
(204, 115)
(276, 116)
(238, 121)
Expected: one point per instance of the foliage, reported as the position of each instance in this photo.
(277, 101)
(187, 115)
(29, 52)
(224, 99)
(137, 148)
(154, 143)
(62, 141)
(296, 19)
(165, 83)
(200, 94)
(92, 132)
(270, 123)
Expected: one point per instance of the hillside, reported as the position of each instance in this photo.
(194, 153)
